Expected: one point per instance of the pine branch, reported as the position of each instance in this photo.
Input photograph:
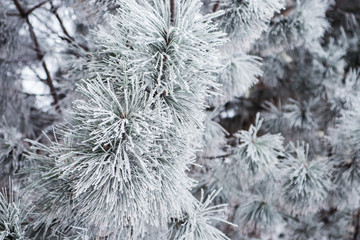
(141, 139)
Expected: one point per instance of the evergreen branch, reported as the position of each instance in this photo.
(12, 217)
(197, 224)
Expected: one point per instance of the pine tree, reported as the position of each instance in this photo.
(152, 119)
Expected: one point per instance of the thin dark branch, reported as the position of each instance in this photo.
(37, 75)
(61, 23)
(35, 94)
(45, 24)
(39, 54)
(68, 40)
(218, 156)
(64, 38)
(36, 7)
(54, 11)
(286, 216)
(287, 11)
(12, 14)
(20, 8)
(172, 10)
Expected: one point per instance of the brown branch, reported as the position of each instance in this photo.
(172, 10)
(39, 54)
(287, 11)
(216, 5)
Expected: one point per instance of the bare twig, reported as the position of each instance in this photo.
(40, 55)
(64, 38)
(34, 94)
(54, 11)
(36, 7)
(61, 23)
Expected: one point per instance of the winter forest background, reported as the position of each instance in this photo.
(179, 119)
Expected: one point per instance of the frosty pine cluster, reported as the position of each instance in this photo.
(179, 119)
